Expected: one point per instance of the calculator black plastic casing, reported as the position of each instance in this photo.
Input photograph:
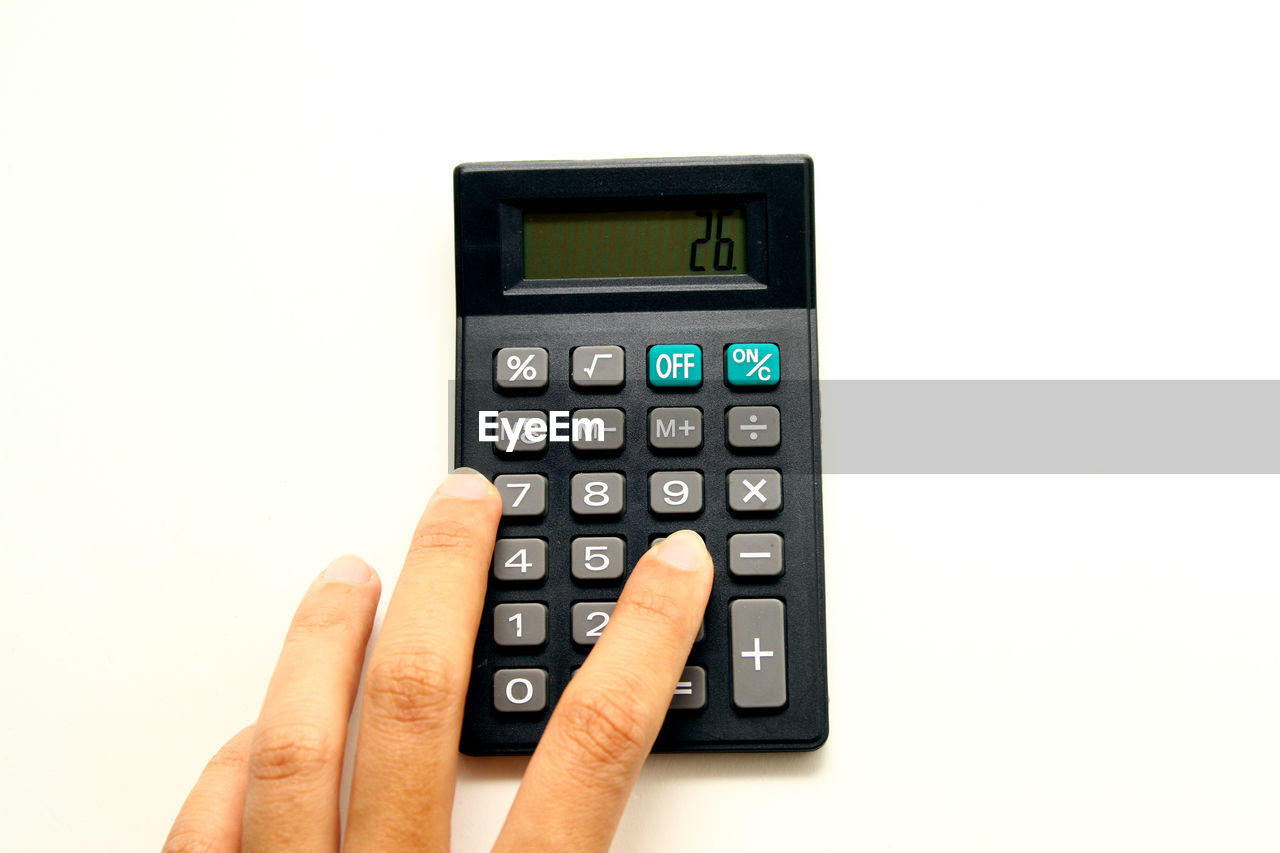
(774, 302)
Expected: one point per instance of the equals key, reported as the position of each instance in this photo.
(691, 690)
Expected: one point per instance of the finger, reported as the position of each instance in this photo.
(295, 760)
(209, 820)
(411, 714)
(604, 725)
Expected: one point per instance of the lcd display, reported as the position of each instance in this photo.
(635, 243)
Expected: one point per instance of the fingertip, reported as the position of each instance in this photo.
(349, 569)
(236, 749)
(468, 484)
(244, 736)
(684, 550)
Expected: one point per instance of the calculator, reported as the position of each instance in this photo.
(637, 353)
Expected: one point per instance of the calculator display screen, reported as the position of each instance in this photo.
(633, 243)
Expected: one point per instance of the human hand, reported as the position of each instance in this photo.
(275, 785)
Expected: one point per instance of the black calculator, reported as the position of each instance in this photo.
(637, 353)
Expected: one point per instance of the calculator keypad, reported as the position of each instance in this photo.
(683, 437)
(759, 681)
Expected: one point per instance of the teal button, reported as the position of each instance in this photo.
(675, 366)
(749, 365)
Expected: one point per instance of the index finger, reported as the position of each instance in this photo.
(604, 725)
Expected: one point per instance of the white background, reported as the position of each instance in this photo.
(226, 331)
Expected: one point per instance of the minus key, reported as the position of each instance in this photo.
(755, 555)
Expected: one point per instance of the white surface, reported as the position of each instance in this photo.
(226, 262)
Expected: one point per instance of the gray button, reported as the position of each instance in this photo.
(521, 690)
(589, 619)
(755, 490)
(522, 494)
(598, 558)
(675, 492)
(521, 431)
(598, 367)
(523, 624)
(759, 653)
(675, 428)
(751, 427)
(597, 494)
(691, 690)
(520, 368)
(755, 555)
(597, 429)
(520, 559)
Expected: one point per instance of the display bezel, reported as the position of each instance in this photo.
(776, 193)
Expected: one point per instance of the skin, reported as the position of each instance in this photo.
(275, 785)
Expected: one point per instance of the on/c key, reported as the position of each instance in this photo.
(752, 365)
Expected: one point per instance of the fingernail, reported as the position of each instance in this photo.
(349, 570)
(465, 483)
(683, 549)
